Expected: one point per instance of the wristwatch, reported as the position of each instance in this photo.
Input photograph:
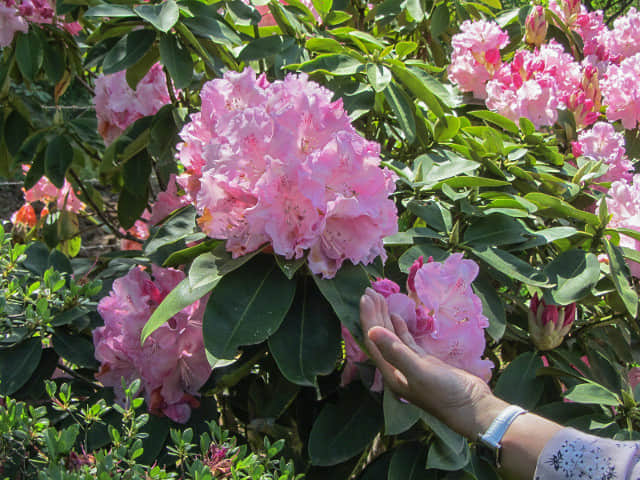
(489, 446)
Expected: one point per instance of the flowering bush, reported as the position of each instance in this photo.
(280, 163)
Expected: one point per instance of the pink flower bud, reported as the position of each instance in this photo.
(536, 26)
(385, 287)
(417, 265)
(549, 324)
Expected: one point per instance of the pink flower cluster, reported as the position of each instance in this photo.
(267, 17)
(476, 55)
(171, 364)
(623, 204)
(46, 192)
(621, 91)
(118, 106)
(441, 311)
(280, 163)
(15, 15)
(603, 143)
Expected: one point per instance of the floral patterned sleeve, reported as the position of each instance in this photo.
(572, 454)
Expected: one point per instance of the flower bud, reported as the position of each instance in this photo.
(536, 26)
(385, 287)
(24, 218)
(549, 324)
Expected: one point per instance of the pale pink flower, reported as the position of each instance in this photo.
(280, 163)
(621, 91)
(10, 22)
(118, 106)
(167, 202)
(623, 204)
(566, 10)
(46, 192)
(171, 364)
(476, 55)
(634, 377)
(623, 40)
(603, 143)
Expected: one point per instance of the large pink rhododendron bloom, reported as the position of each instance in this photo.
(280, 163)
(623, 204)
(118, 106)
(442, 313)
(15, 16)
(621, 91)
(172, 363)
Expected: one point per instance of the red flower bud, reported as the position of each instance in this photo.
(549, 324)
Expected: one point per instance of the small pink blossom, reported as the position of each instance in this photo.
(385, 287)
(118, 106)
(623, 204)
(354, 356)
(171, 364)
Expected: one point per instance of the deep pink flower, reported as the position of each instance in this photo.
(172, 363)
(385, 287)
(280, 163)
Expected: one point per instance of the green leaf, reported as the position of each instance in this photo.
(177, 227)
(560, 207)
(403, 109)
(512, 266)
(441, 164)
(184, 256)
(453, 440)
(446, 128)
(333, 64)
(343, 430)
(497, 119)
(247, 307)
(336, 17)
(213, 29)
(17, 364)
(379, 76)
(409, 463)
(519, 384)
(243, 14)
(415, 10)
(16, 129)
(76, 349)
(114, 11)
(177, 59)
(29, 54)
(620, 276)
(57, 158)
(128, 50)
(548, 235)
(323, 7)
(405, 48)
(130, 208)
(343, 292)
(162, 16)
(439, 20)
(425, 250)
(265, 47)
(575, 273)
(495, 230)
(418, 87)
(308, 342)
(442, 457)
(492, 306)
(398, 416)
(593, 393)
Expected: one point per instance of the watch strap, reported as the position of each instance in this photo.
(492, 438)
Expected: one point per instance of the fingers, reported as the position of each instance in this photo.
(402, 331)
(394, 351)
(392, 377)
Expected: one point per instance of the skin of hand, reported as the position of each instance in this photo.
(458, 398)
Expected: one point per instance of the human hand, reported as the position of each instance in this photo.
(458, 398)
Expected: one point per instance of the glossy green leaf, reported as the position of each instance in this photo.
(29, 53)
(343, 430)
(495, 230)
(128, 50)
(334, 64)
(620, 276)
(575, 273)
(242, 13)
(398, 416)
(492, 305)
(519, 384)
(162, 16)
(177, 59)
(76, 349)
(265, 47)
(496, 119)
(512, 266)
(379, 76)
(343, 292)
(442, 457)
(247, 307)
(560, 207)
(409, 462)
(403, 109)
(439, 20)
(592, 393)
(308, 342)
(106, 10)
(57, 158)
(418, 87)
(17, 364)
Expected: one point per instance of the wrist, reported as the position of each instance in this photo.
(483, 413)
